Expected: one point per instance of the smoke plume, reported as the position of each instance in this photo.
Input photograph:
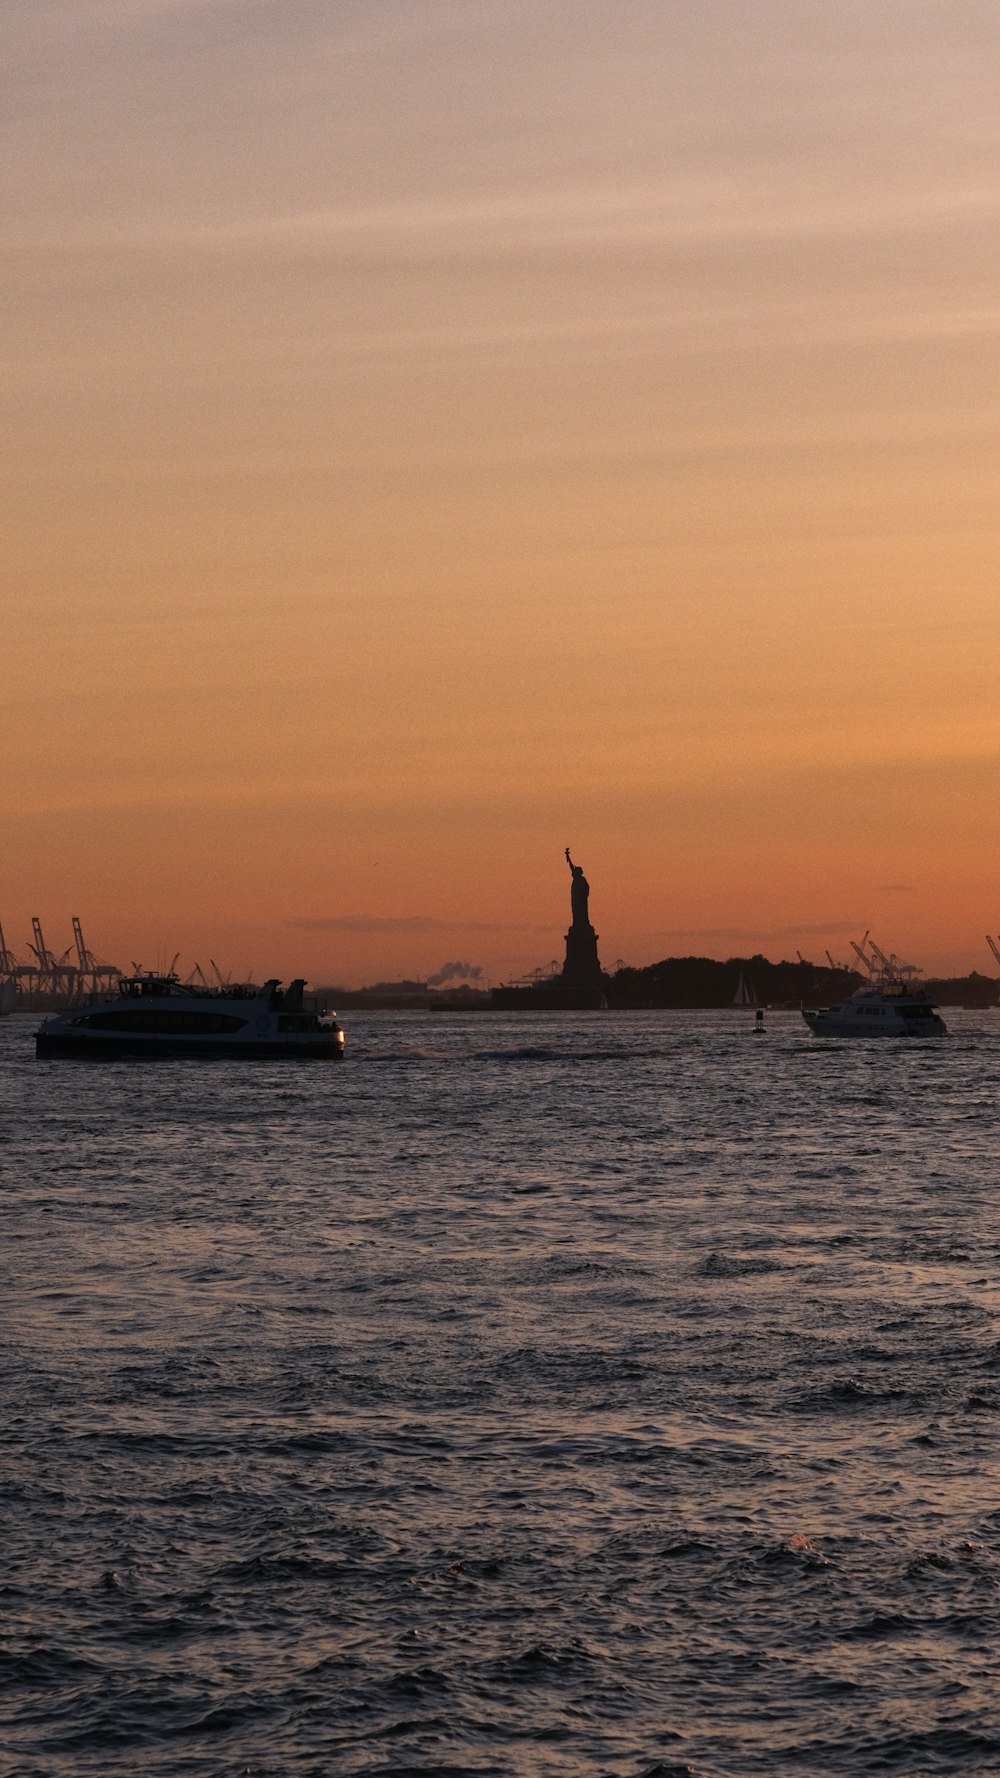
(454, 972)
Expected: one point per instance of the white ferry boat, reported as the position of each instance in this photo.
(158, 1016)
(892, 1004)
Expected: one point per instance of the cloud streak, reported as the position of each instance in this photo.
(755, 935)
(383, 924)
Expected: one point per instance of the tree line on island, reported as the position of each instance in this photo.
(690, 983)
(707, 982)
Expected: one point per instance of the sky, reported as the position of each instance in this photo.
(444, 431)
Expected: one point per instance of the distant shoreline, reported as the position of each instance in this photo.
(681, 984)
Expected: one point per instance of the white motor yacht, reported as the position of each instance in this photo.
(893, 1004)
(158, 1016)
(879, 1012)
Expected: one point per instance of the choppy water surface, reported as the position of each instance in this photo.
(606, 1394)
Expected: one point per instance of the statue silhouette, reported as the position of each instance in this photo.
(581, 971)
(579, 893)
(581, 984)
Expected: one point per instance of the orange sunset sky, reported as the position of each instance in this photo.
(442, 431)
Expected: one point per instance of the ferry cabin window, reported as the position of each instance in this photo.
(165, 1022)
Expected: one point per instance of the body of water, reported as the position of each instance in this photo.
(606, 1394)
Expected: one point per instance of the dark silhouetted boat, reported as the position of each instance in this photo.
(158, 1017)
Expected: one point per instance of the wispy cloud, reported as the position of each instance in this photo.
(407, 923)
(556, 218)
(756, 935)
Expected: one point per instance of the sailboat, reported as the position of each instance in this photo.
(745, 992)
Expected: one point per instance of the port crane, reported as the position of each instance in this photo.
(8, 977)
(878, 966)
(990, 941)
(8, 962)
(94, 973)
(52, 974)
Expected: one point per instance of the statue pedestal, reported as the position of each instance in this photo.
(582, 968)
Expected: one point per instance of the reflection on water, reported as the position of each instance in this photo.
(600, 1393)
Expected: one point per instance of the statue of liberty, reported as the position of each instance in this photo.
(582, 969)
(579, 893)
